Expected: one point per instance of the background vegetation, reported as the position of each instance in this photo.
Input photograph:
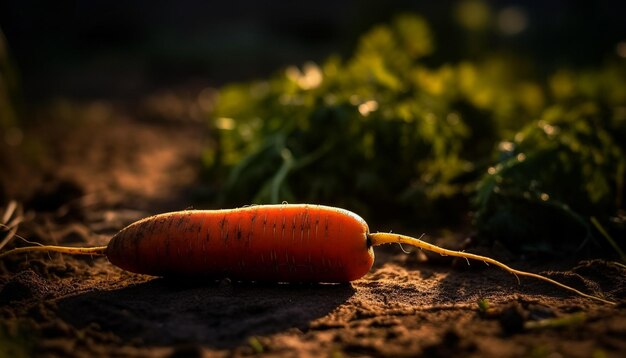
(537, 156)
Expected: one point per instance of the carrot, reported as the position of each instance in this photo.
(267, 243)
(280, 243)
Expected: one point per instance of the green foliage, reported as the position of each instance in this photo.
(569, 321)
(483, 305)
(382, 129)
(375, 129)
(256, 345)
(551, 178)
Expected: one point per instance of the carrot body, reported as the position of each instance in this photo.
(260, 243)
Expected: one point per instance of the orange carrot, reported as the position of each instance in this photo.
(268, 243)
(280, 243)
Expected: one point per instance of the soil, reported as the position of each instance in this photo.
(82, 181)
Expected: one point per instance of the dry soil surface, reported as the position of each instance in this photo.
(87, 181)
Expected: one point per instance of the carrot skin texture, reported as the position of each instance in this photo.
(279, 243)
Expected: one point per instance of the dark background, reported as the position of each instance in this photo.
(86, 49)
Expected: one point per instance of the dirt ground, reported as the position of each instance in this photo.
(83, 182)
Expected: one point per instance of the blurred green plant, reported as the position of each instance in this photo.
(382, 129)
(569, 321)
(551, 178)
(377, 128)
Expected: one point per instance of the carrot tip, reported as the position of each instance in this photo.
(97, 250)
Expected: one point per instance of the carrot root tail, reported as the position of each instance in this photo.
(97, 250)
(381, 238)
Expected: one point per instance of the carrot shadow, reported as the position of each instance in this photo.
(166, 312)
(467, 284)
